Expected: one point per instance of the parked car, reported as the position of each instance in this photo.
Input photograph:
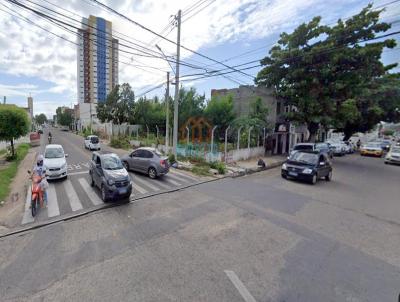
(371, 148)
(40, 131)
(385, 144)
(350, 148)
(147, 160)
(109, 175)
(92, 142)
(339, 148)
(55, 162)
(321, 147)
(393, 156)
(307, 165)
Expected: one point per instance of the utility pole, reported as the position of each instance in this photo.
(167, 115)
(4, 100)
(91, 124)
(176, 100)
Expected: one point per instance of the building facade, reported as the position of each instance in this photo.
(282, 135)
(97, 65)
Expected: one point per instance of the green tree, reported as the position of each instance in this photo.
(191, 104)
(40, 118)
(219, 111)
(119, 106)
(150, 112)
(14, 123)
(323, 71)
(64, 116)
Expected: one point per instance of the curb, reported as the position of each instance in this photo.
(248, 171)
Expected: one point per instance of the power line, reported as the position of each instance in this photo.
(198, 11)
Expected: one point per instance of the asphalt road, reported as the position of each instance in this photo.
(75, 195)
(254, 238)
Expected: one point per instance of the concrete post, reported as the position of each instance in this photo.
(238, 138)
(226, 142)
(147, 132)
(212, 138)
(264, 138)
(188, 135)
(158, 130)
(248, 139)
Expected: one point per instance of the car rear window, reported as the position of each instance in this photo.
(303, 147)
(94, 140)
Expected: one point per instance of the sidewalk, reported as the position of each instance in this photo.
(249, 166)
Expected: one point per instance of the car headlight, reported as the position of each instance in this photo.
(284, 167)
(111, 182)
(307, 171)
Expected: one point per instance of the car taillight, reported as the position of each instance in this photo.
(163, 163)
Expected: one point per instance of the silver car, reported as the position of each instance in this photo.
(147, 160)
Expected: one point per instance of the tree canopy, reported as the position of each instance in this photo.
(14, 123)
(326, 72)
(219, 111)
(40, 118)
(64, 116)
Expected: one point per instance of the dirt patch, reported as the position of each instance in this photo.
(12, 210)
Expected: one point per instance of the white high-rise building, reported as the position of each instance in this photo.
(97, 65)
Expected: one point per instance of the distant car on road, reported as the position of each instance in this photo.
(147, 160)
(109, 175)
(92, 142)
(372, 148)
(393, 156)
(385, 144)
(308, 166)
(55, 162)
(321, 147)
(324, 148)
(338, 148)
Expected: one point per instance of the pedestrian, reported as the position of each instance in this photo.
(358, 144)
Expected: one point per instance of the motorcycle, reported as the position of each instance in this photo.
(37, 194)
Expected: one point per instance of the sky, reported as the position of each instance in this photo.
(43, 64)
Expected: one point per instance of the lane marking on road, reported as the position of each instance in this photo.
(90, 193)
(52, 204)
(139, 188)
(178, 178)
(168, 179)
(240, 286)
(174, 171)
(72, 196)
(77, 173)
(27, 214)
(146, 183)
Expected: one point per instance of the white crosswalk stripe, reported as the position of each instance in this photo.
(174, 171)
(52, 205)
(90, 192)
(27, 218)
(72, 196)
(178, 178)
(145, 182)
(139, 188)
(163, 184)
(169, 179)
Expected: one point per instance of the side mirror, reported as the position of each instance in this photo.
(66, 155)
(98, 166)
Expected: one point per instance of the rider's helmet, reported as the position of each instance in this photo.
(39, 160)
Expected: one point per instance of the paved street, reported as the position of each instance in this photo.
(254, 238)
(75, 193)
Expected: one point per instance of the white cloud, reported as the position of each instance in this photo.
(30, 51)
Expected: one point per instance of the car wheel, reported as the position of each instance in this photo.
(152, 173)
(314, 179)
(126, 165)
(284, 176)
(103, 194)
(329, 176)
(386, 163)
(91, 180)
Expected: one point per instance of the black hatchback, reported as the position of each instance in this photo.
(307, 166)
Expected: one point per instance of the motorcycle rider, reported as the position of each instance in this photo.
(40, 170)
(49, 137)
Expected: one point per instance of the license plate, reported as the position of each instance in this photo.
(293, 173)
(123, 191)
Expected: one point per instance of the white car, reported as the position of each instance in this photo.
(393, 156)
(55, 162)
(92, 142)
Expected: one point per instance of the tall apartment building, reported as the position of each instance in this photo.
(97, 65)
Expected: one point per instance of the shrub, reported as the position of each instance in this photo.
(219, 166)
(171, 158)
(120, 142)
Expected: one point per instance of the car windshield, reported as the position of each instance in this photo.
(306, 158)
(94, 140)
(396, 149)
(303, 147)
(54, 153)
(373, 145)
(112, 163)
(322, 146)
